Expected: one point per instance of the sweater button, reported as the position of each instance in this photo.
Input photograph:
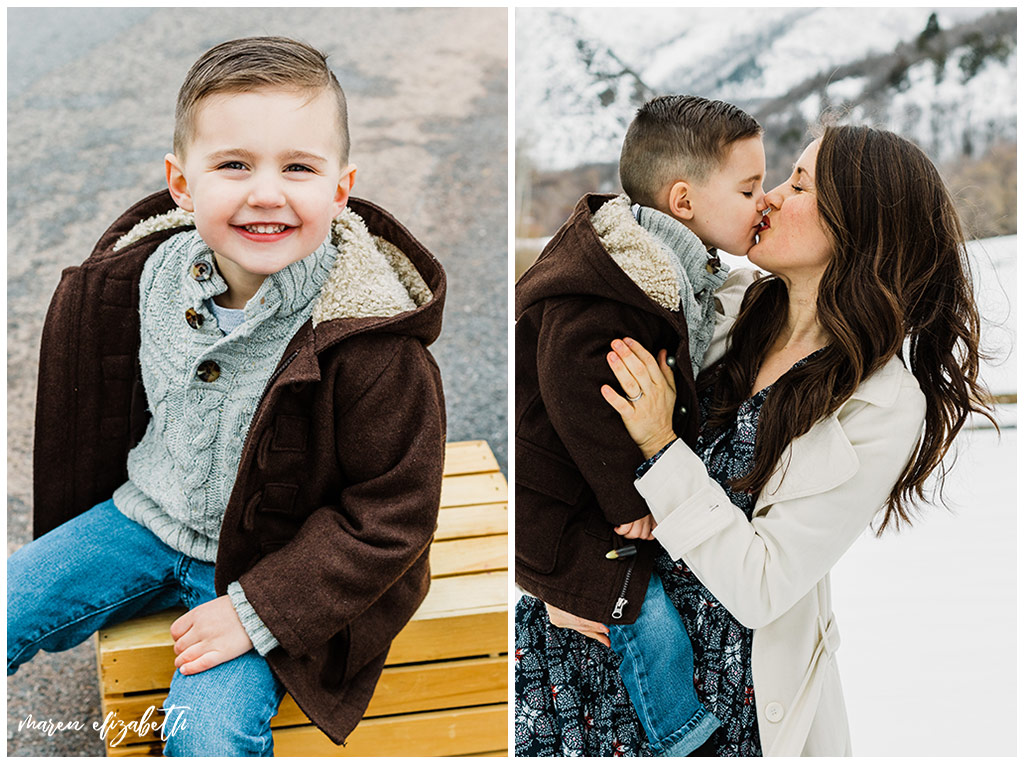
(774, 712)
(194, 319)
(201, 270)
(682, 410)
(208, 371)
(671, 361)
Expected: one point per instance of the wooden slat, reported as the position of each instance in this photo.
(473, 555)
(476, 520)
(462, 490)
(435, 733)
(445, 638)
(401, 690)
(468, 456)
(468, 594)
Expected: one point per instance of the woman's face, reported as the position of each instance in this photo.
(792, 242)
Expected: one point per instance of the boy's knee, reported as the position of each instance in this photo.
(215, 734)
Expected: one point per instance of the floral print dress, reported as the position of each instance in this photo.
(570, 700)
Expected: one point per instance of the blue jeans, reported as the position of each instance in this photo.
(657, 669)
(101, 568)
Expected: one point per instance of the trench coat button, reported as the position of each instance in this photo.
(671, 361)
(208, 371)
(194, 319)
(682, 410)
(774, 712)
(201, 270)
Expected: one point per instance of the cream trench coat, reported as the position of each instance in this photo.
(772, 572)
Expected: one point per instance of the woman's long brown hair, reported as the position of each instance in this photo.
(898, 283)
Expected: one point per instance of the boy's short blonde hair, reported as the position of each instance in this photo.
(678, 137)
(255, 63)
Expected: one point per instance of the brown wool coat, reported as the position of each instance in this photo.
(575, 462)
(335, 502)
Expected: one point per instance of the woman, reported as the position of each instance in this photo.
(812, 421)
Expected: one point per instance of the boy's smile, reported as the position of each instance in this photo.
(264, 176)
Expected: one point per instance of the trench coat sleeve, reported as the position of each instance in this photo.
(760, 568)
(390, 430)
(572, 347)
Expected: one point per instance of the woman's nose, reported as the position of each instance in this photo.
(773, 199)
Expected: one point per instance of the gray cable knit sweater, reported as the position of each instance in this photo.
(203, 387)
(698, 281)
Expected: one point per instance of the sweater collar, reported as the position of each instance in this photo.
(281, 294)
(693, 257)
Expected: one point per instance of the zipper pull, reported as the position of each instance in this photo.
(623, 551)
(619, 606)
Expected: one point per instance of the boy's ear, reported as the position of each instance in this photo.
(177, 183)
(345, 184)
(680, 202)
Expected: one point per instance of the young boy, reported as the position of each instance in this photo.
(237, 412)
(645, 267)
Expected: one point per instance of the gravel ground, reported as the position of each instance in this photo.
(90, 114)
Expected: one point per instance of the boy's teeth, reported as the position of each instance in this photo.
(265, 228)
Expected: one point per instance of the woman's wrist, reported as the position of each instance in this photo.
(656, 443)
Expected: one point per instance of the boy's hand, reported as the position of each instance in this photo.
(208, 635)
(638, 529)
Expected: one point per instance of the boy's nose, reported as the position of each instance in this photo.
(759, 198)
(265, 193)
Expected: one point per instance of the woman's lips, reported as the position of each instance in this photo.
(763, 226)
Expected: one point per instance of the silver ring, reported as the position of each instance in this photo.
(634, 400)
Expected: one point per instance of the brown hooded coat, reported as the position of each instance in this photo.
(601, 277)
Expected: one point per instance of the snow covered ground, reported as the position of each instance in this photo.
(928, 616)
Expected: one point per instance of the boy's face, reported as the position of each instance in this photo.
(263, 176)
(725, 210)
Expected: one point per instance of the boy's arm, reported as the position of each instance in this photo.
(572, 347)
(390, 447)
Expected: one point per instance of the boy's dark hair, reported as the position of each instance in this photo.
(678, 137)
(255, 63)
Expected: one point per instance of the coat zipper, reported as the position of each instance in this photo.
(621, 602)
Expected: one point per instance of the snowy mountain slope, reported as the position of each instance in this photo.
(581, 73)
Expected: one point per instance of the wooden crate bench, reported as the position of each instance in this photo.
(444, 690)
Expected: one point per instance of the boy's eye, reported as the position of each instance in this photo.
(298, 167)
(748, 194)
(232, 166)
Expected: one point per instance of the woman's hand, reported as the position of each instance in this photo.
(591, 629)
(651, 388)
